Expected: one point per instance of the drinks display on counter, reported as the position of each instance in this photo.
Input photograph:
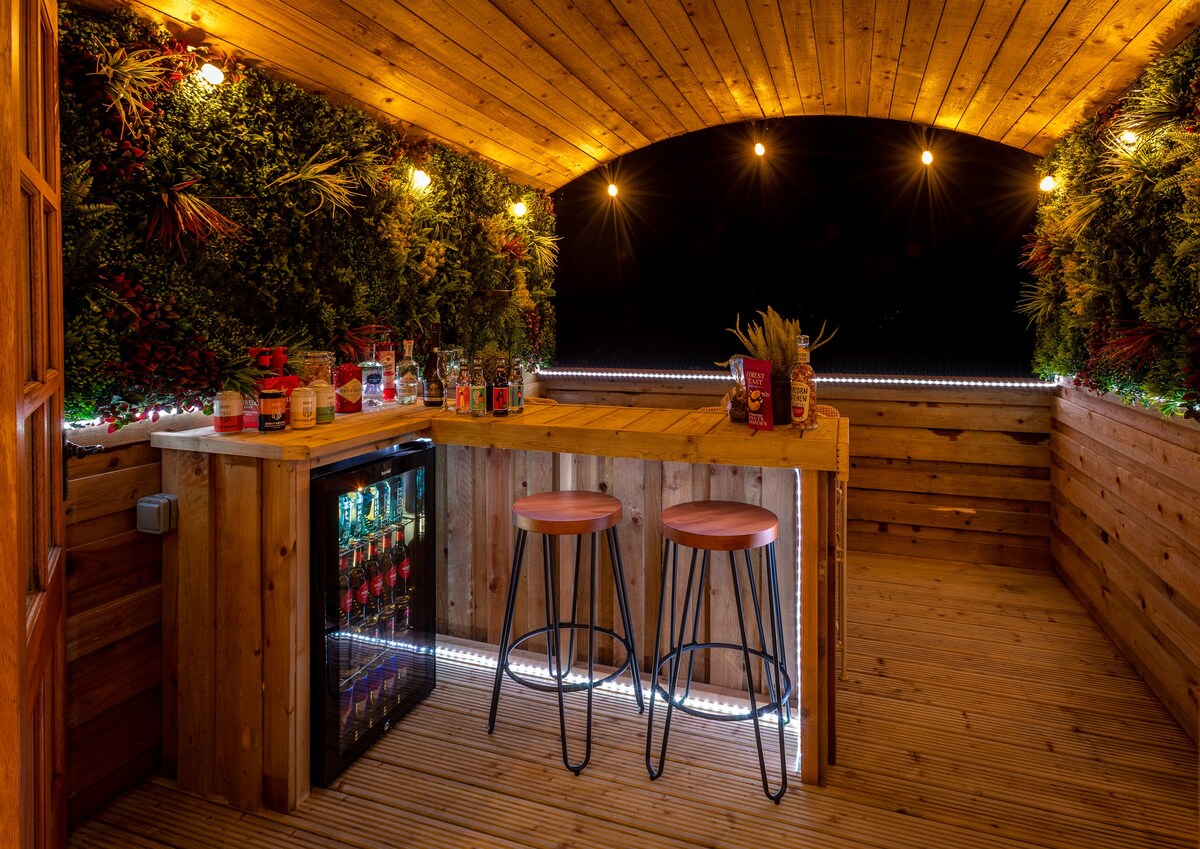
(804, 398)
(372, 382)
(374, 599)
(407, 378)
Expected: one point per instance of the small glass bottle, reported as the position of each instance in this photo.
(407, 379)
(478, 391)
(385, 352)
(435, 389)
(804, 397)
(372, 382)
(516, 389)
(462, 390)
(449, 374)
(500, 392)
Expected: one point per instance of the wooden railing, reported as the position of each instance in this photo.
(962, 472)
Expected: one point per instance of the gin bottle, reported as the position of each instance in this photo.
(407, 379)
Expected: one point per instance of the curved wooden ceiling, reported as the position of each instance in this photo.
(549, 89)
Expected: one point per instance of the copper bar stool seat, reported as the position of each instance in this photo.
(554, 514)
(705, 527)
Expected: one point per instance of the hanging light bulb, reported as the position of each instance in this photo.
(1048, 184)
(420, 180)
(519, 209)
(927, 158)
(612, 190)
(211, 74)
(759, 150)
(1129, 137)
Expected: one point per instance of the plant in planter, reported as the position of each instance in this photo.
(774, 339)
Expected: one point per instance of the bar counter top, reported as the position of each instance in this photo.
(634, 432)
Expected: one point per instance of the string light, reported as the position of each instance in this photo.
(420, 180)
(1129, 137)
(927, 158)
(1048, 184)
(723, 377)
(211, 74)
(759, 150)
(612, 190)
(519, 209)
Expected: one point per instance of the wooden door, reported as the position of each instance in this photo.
(32, 590)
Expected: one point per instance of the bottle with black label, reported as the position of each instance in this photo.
(500, 392)
(435, 389)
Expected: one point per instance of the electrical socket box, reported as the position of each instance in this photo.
(157, 514)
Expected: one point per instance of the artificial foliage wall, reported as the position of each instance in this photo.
(1116, 250)
(202, 219)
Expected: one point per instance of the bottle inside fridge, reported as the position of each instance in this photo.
(373, 600)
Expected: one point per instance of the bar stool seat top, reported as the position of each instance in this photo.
(566, 512)
(719, 525)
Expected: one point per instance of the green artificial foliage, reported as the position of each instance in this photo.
(1115, 253)
(201, 220)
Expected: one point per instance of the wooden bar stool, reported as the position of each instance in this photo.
(707, 526)
(554, 514)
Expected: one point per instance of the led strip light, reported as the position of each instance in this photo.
(722, 377)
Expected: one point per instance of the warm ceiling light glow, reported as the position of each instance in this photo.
(927, 158)
(420, 180)
(612, 190)
(519, 209)
(1129, 137)
(1048, 184)
(759, 150)
(211, 74)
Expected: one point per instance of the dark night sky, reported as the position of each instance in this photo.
(917, 267)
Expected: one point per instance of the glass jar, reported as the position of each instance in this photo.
(313, 365)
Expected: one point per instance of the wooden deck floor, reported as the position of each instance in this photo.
(984, 710)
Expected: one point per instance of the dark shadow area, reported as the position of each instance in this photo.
(917, 267)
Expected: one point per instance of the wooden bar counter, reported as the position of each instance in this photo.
(236, 572)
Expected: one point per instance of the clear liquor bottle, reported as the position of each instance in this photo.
(407, 378)
(372, 382)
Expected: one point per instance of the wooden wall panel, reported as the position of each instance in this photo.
(1126, 515)
(497, 478)
(114, 632)
(959, 474)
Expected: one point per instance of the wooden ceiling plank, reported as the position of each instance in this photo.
(776, 54)
(676, 27)
(994, 21)
(890, 19)
(667, 81)
(710, 27)
(920, 30)
(827, 28)
(266, 35)
(1106, 42)
(954, 32)
(495, 71)
(1069, 35)
(858, 32)
(489, 33)
(380, 49)
(1171, 26)
(802, 37)
(561, 29)
(1030, 29)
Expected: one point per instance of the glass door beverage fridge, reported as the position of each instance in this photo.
(373, 599)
